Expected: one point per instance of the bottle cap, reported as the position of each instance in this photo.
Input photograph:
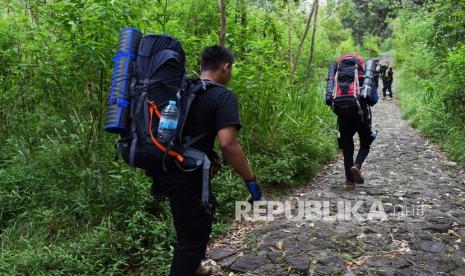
(172, 102)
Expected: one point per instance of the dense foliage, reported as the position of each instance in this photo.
(430, 53)
(366, 18)
(66, 206)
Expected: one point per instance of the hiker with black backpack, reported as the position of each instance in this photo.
(351, 91)
(214, 111)
(168, 126)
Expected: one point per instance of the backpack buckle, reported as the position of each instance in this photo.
(204, 85)
(145, 85)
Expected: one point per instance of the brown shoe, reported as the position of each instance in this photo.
(349, 184)
(203, 271)
(357, 174)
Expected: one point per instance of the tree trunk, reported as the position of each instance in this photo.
(307, 27)
(289, 24)
(30, 14)
(312, 45)
(165, 16)
(223, 21)
(358, 37)
(243, 34)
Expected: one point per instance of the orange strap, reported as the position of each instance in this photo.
(153, 109)
(154, 106)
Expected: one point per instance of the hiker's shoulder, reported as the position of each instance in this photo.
(217, 95)
(218, 88)
(210, 86)
(218, 91)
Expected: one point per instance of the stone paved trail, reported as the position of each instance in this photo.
(403, 171)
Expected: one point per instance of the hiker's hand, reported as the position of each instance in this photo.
(254, 188)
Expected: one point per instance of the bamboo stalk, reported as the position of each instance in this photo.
(312, 44)
(307, 27)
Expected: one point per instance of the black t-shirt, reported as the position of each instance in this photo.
(212, 110)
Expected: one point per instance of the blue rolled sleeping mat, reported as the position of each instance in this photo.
(117, 110)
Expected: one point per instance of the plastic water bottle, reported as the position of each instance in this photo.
(168, 123)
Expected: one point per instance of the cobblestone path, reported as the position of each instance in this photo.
(421, 192)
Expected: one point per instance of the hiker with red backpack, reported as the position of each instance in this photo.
(351, 91)
(168, 125)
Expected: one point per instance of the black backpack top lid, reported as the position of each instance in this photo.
(155, 51)
(160, 62)
(346, 66)
(156, 42)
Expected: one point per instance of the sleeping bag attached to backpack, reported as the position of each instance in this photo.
(159, 76)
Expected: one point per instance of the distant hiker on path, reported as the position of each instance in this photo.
(351, 90)
(387, 75)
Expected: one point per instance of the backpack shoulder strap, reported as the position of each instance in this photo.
(187, 98)
(203, 85)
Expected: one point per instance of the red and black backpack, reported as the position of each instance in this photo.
(346, 92)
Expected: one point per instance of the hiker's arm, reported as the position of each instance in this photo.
(232, 152)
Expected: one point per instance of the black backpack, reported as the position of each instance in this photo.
(159, 77)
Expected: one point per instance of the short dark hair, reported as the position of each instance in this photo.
(214, 56)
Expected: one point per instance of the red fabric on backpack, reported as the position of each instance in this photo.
(346, 65)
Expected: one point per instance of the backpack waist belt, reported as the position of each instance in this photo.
(199, 158)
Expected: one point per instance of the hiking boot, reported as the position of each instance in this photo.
(384, 98)
(203, 271)
(357, 174)
(349, 184)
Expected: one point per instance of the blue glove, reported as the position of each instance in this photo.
(254, 189)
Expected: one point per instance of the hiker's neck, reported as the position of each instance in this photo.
(213, 76)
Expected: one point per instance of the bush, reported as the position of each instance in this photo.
(430, 76)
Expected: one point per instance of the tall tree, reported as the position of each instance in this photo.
(307, 27)
(243, 33)
(289, 37)
(367, 17)
(223, 21)
(312, 44)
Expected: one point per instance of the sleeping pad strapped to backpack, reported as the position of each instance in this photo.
(156, 76)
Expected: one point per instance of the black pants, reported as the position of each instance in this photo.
(192, 221)
(387, 85)
(347, 130)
